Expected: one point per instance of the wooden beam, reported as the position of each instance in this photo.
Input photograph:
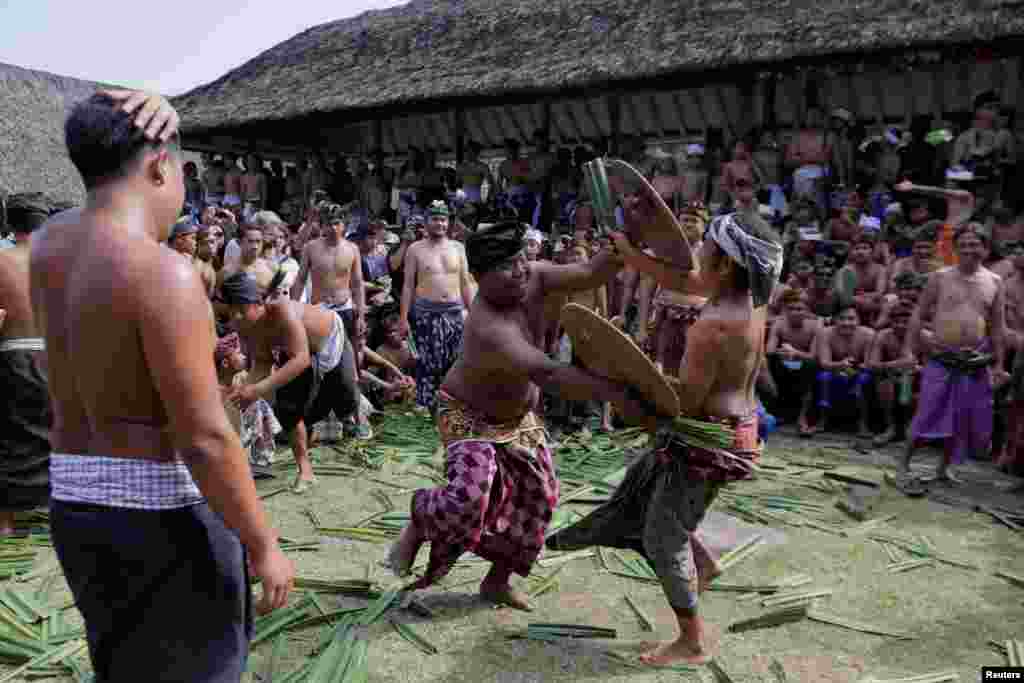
(476, 117)
(659, 127)
(509, 112)
(938, 91)
(614, 103)
(545, 118)
(909, 98)
(879, 93)
(677, 100)
(557, 128)
(726, 114)
(598, 130)
(378, 135)
(460, 134)
(769, 115)
(570, 114)
(634, 114)
(698, 106)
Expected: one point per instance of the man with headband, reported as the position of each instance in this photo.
(436, 293)
(153, 510)
(664, 496)
(318, 375)
(25, 413)
(502, 488)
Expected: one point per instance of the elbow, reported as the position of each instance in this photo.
(206, 444)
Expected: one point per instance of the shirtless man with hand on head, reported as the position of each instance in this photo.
(154, 512)
(436, 294)
(967, 303)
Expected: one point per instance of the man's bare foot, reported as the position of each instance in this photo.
(675, 652)
(403, 552)
(504, 595)
(885, 438)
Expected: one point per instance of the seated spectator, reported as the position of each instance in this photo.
(822, 297)
(908, 289)
(1005, 253)
(842, 356)
(894, 373)
(791, 356)
(861, 281)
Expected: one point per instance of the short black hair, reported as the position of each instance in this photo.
(843, 308)
(103, 141)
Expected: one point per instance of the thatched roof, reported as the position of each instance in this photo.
(33, 107)
(432, 50)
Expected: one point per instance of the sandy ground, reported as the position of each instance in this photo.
(951, 611)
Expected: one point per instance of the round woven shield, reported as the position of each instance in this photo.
(606, 351)
(664, 235)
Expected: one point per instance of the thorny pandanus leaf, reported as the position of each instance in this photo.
(414, 638)
(719, 673)
(776, 618)
(548, 583)
(569, 631)
(58, 654)
(380, 606)
(791, 597)
(740, 552)
(824, 617)
(645, 622)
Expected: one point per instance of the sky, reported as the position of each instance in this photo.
(167, 47)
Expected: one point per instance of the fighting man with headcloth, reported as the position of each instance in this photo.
(502, 488)
(665, 494)
(153, 512)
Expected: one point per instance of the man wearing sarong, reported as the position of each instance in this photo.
(317, 375)
(153, 511)
(664, 496)
(436, 293)
(502, 488)
(25, 414)
(966, 304)
(843, 376)
(791, 357)
(894, 374)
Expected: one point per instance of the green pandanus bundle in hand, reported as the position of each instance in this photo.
(601, 196)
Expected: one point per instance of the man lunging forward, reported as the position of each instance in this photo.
(501, 489)
(664, 496)
(154, 513)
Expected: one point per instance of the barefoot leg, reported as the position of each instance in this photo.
(686, 649)
(403, 553)
(496, 588)
(707, 565)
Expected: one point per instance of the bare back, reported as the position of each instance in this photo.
(14, 294)
(437, 269)
(731, 339)
(330, 268)
(93, 283)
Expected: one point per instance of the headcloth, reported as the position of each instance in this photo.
(489, 247)
(762, 259)
(241, 288)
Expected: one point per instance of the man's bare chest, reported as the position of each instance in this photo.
(977, 294)
(799, 338)
(847, 347)
(330, 260)
(440, 262)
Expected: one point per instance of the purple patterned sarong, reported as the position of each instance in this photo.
(955, 403)
(501, 492)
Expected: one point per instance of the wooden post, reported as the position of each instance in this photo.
(460, 134)
(545, 119)
(615, 115)
(768, 117)
(378, 135)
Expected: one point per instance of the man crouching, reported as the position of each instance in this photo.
(502, 487)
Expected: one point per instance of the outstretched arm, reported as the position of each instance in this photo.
(666, 274)
(929, 191)
(578, 277)
(300, 279)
